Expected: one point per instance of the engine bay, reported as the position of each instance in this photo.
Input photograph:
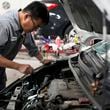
(57, 86)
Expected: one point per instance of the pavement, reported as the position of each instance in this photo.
(23, 58)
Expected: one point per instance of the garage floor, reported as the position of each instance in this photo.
(24, 58)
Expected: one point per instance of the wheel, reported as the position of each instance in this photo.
(69, 32)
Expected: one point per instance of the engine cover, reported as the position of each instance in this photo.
(65, 88)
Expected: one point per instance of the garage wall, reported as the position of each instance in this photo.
(6, 5)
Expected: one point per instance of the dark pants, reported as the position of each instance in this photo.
(2, 78)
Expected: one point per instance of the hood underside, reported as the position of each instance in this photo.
(86, 15)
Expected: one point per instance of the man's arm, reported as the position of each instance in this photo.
(29, 43)
(33, 49)
(23, 68)
(4, 62)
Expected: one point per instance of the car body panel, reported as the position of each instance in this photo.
(88, 20)
(85, 14)
(104, 7)
(81, 17)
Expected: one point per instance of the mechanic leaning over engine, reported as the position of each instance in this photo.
(15, 29)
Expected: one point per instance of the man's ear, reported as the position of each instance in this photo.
(26, 15)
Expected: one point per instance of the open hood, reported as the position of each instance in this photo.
(85, 15)
(104, 6)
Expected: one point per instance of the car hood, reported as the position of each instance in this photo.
(104, 6)
(86, 14)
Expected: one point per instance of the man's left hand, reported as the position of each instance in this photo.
(40, 58)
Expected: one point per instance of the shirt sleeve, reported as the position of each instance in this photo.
(29, 43)
(3, 37)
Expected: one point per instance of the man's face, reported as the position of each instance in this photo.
(30, 24)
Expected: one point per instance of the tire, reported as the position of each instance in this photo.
(68, 30)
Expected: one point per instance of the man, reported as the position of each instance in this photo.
(15, 28)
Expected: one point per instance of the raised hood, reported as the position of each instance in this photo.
(85, 14)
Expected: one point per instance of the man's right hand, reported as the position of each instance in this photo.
(25, 68)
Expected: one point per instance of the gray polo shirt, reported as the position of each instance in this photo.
(11, 37)
(11, 40)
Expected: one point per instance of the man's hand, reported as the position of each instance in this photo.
(25, 68)
(46, 61)
(40, 58)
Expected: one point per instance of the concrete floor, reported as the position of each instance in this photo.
(23, 58)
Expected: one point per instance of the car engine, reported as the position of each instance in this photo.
(57, 86)
(60, 94)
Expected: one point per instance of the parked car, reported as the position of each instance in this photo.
(59, 24)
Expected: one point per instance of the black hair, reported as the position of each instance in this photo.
(38, 10)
